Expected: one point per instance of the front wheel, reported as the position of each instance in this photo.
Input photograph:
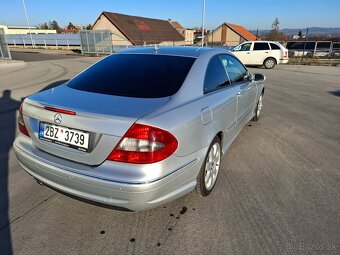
(207, 177)
(258, 108)
(269, 63)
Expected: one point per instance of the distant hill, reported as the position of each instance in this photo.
(333, 31)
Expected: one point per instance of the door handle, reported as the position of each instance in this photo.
(248, 53)
(266, 52)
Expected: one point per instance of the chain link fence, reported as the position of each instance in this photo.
(4, 50)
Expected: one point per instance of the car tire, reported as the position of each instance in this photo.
(269, 63)
(258, 108)
(207, 177)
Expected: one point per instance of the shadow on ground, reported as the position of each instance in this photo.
(8, 109)
(335, 93)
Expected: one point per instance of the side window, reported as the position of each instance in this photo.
(261, 46)
(274, 46)
(216, 76)
(236, 71)
(245, 47)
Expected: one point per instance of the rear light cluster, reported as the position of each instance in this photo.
(285, 54)
(143, 144)
(21, 123)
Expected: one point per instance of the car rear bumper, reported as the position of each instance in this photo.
(133, 196)
(283, 61)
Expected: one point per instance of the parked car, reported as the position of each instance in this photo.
(264, 53)
(140, 127)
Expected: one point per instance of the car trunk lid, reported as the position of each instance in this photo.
(105, 117)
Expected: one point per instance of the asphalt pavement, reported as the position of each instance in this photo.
(277, 192)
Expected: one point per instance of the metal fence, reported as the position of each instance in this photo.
(4, 51)
(45, 40)
(313, 48)
(96, 41)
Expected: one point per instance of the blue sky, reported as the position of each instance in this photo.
(252, 14)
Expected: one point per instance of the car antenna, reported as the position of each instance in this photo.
(156, 48)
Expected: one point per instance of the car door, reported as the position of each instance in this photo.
(242, 52)
(220, 102)
(259, 53)
(245, 87)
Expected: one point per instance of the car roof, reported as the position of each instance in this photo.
(261, 41)
(184, 51)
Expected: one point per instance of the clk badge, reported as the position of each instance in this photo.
(57, 118)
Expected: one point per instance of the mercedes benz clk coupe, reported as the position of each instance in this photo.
(140, 127)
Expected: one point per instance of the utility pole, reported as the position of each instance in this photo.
(203, 14)
(28, 24)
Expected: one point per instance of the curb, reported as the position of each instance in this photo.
(11, 63)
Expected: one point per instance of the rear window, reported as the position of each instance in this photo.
(135, 75)
(261, 46)
(275, 46)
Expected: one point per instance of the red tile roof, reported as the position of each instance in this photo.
(242, 32)
(176, 25)
(139, 29)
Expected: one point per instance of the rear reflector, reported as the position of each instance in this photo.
(59, 110)
(144, 144)
(21, 123)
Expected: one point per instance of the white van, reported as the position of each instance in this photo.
(265, 53)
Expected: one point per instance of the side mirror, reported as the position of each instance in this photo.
(259, 77)
(249, 76)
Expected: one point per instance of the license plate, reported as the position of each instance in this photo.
(68, 137)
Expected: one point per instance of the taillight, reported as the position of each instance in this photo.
(285, 54)
(144, 144)
(21, 123)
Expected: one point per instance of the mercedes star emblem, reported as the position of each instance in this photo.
(57, 118)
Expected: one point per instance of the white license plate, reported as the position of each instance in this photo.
(72, 138)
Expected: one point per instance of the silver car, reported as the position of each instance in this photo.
(141, 127)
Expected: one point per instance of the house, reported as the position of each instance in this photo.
(68, 31)
(133, 30)
(188, 34)
(229, 34)
(24, 30)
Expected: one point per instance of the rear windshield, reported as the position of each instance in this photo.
(135, 75)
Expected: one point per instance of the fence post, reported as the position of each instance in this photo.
(56, 43)
(68, 45)
(45, 44)
(304, 46)
(14, 43)
(23, 40)
(316, 45)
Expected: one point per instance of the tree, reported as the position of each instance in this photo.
(275, 34)
(89, 27)
(54, 25)
(300, 34)
(71, 26)
(43, 26)
(275, 25)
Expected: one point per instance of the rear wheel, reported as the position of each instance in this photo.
(207, 177)
(269, 63)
